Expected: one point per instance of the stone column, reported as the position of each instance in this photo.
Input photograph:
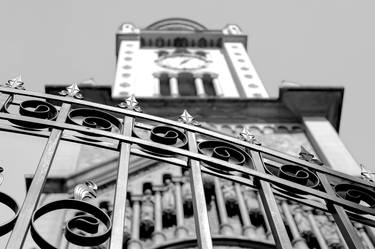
(315, 228)
(225, 227)
(199, 85)
(134, 242)
(156, 84)
(298, 242)
(248, 229)
(173, 83)
(329, 147)
(158, 236)
(216, 83)
(181, 230)
(362, 233)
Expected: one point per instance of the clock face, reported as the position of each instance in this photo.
(182, 62)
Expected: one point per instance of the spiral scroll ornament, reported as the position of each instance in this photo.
(295, 174)
(35, 109)
(223, 151)
(357, 194)
(91, 229)
(6, 227)
(93, 118)
(166, 135)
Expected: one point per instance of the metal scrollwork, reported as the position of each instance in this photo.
(36, 109)
(94, 119)
(82, 230)
(223, 151)
(8, 201)
(356, 194)
(164, 135)
(296, 174)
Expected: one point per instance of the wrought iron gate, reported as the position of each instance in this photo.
(242, 161)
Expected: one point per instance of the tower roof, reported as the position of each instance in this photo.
(176, 24)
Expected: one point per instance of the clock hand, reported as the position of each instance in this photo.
(184, 61)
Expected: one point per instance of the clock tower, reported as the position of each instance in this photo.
(181, 58)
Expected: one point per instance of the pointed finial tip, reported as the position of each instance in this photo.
(131, 103)
(187, 118)
(72, 91)
(246, 135)
(15, 83)
(86, 190)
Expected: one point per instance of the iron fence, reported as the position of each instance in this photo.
(241, 160)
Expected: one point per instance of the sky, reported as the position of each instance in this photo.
(318, 43)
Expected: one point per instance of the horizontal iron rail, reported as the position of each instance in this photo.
(264, 150)
(195, 156)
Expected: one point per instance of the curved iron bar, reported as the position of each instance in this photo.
(87, 223)
(244, 170)
(8, 201)
(263, 150)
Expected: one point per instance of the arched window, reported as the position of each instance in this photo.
(159, 42)
(202, 43)
(208, 85)
(186, 85)
(165, 88)
(219, 43)
(180, 42)
(143, 42)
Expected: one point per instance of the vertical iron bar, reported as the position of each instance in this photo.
(21, 227)
(342, 220)
(118, 215)
(275, 220)
(202, 226)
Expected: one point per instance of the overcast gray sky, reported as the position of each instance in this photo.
(320, 42)
(328, 43)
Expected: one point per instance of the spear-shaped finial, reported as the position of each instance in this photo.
(366, 174)
(131, 103)
(308, 157)
(186, 118)
(72, 91)
(16, 83)
(86, 190)
(246, 135)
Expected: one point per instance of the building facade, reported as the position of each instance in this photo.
(160, 197)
